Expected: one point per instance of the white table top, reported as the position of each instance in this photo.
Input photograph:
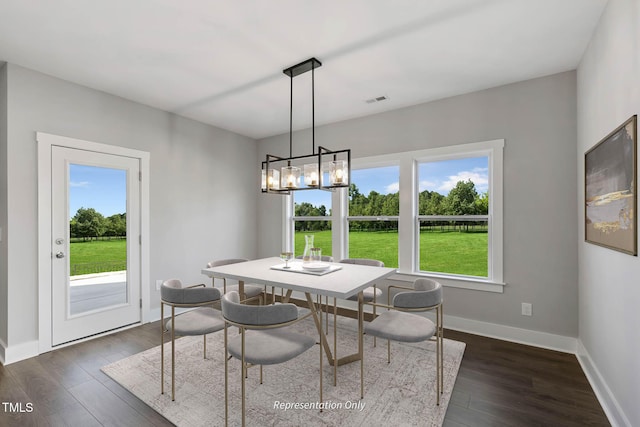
(342, 284)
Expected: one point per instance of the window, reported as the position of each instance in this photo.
(374, 206)
(453, 216)
(312, 216)
(434, 212)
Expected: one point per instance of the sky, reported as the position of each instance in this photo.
(440, 176)
(103, 189)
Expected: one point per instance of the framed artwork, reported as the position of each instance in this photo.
(610, 190)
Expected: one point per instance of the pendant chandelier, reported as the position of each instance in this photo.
(325, 169)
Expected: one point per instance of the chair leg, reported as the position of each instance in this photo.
(205, 347)
(173, 353)
(374, 311)
(242, 374)
(319, 310)
(362, 376)
(226, 378)
(335, 343)
(388, 351)
(161, 347)
(441, 312)
(326, 306)
(320, 345)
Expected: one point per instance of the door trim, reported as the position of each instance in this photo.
(44, 143)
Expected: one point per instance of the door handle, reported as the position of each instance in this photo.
(59, 254)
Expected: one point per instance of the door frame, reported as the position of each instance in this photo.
(45, 142)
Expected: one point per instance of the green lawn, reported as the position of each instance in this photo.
(98, 256)
(444, 252)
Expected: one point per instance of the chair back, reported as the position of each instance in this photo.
(427, 294)
(256, 315)
(219, 262)
(363, 261)
(172, 292)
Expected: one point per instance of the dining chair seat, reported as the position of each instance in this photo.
(369, 294)
(201, 321)
(270, 347)
(401, 326)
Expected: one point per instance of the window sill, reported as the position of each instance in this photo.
(453, 282)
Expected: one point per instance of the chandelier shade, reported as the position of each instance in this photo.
(323, 169)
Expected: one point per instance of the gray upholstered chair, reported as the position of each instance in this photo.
(251, 292)
(399, 324)
(201, 321)
(263, 339)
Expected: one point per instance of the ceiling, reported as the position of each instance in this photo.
(220, 61)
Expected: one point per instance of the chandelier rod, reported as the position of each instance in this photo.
(313, 109)
(291, 117)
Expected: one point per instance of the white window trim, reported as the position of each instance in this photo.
(44, 143)
(407, 233)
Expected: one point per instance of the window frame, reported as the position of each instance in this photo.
(417, 217)
(360, 166)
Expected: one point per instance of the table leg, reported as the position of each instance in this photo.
(285, 298)
(241, 289)
(323, 338)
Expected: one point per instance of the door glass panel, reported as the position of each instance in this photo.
(97, 238)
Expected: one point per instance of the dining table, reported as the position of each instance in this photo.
(335, 280)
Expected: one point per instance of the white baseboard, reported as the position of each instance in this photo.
(509, 333)
(18, 352)
(609, 404)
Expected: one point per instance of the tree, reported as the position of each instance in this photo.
(482, 204)
(87, 223)
(461, 199)
(307, 209)
(116, 225)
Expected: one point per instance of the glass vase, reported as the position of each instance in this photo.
(308, 245)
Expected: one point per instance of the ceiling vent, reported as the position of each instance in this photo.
(377, 99)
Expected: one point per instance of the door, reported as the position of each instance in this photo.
(96, 263)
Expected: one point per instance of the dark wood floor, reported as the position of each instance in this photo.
(499, 384)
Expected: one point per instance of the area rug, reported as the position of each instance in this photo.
(401, 393)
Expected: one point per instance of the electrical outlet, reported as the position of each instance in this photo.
(158, 284)
(526, 309)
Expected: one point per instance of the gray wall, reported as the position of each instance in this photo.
(537, 120)
(609, 281)
(202, 206)
(3, 202)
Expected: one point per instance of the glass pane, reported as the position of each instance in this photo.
(375, 192)
(321, 232)
(454, 247)
(454, 187)
(312, 203)
(98, 238)
(374, 240)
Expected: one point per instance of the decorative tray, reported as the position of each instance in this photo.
(316, 268)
